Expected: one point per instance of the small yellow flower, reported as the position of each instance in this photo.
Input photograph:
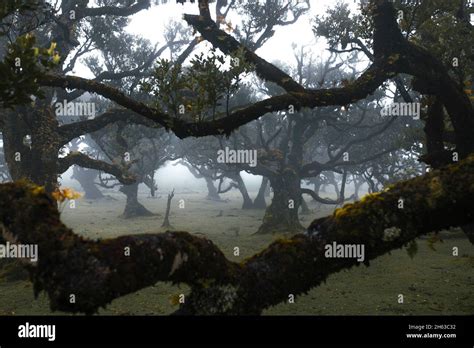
(66, 193)
(58, 196)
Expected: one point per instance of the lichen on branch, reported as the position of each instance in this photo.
(96, 272)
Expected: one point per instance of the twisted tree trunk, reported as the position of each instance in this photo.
(86, 178)
(133, 207)
(31, 148)
(212, 193)
(247, 201)
(281, 216)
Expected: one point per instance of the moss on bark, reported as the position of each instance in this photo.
(97, 272)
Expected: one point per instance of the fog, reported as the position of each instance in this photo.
(173, 176)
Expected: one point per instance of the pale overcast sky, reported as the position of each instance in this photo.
(150, 24)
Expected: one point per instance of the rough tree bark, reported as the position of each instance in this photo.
(281, 216)
(436, 154)
(14, 131)
(98, 272)
(32, 145)
(32, 142)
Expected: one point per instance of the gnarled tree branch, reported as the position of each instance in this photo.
(227, 44)
(113, 10)
(82, 160)
(97, 272)
(367, 83)
(73, 130)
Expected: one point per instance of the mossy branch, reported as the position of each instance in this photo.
(97, 272)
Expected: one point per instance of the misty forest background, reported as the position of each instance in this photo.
(146, 162)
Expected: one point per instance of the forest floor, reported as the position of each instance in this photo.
(433, 282)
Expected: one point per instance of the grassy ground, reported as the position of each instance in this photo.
(433, 282)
